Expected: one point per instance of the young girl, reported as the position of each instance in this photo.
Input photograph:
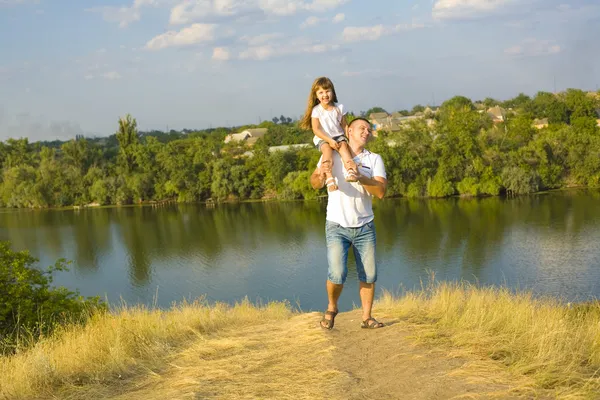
(327, 119)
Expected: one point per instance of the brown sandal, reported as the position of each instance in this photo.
(328, 322)
(371, 323)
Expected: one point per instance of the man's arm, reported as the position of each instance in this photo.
(376, 186)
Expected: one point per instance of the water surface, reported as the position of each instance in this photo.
(547, 243)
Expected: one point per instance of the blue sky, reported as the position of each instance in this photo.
(73, 67)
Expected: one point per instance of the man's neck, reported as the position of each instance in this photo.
(356, 149)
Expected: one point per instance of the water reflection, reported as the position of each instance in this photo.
(276, 250)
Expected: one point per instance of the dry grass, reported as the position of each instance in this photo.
(116, 347)
(556, 345)
(291, 360)
(249, 352)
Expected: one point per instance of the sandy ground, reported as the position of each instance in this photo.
(387, 363)
(296, 359)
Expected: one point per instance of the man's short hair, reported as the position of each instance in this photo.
(359, 119)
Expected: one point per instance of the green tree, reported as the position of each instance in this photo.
(127, 135)
(417, 108)
(579, 104)
(457, 103)
(29, 305)
(521, 101)
(547, 105)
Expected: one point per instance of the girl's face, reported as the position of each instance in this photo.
(325, 96)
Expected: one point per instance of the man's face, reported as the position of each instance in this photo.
(360, 132)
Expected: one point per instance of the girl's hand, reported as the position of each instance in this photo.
(333, 144)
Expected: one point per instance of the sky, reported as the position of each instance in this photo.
(75, 67)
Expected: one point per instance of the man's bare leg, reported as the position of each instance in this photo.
(367, 293)
(333, 294)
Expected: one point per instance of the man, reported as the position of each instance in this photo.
(349, 222)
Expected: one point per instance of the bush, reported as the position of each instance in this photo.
(439, 186)
(520, 181)
(29, 306)
(468, 187)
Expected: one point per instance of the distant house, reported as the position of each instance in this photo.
(274, 149)
(392, 122)
(288, 147)
(237, 137)
(379, 121)
(497, 113)
(540, 123)
(249, 136)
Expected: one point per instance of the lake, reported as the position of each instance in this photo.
(547, 243)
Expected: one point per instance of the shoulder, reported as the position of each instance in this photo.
(372, 156)
(341, 107)
(316, 111)
(375, 160)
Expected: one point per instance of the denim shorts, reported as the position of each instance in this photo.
(338, 139)
(339, 241)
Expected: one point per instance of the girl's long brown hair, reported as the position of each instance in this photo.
(322, 82)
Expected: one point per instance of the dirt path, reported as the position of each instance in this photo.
(296, 359)
(387, 364)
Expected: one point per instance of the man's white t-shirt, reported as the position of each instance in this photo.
(351, 205)
(331, 120)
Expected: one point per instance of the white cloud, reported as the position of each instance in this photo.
(297, 46)
(124, 15)
(260, 39)
(323, 5)
(310, 21)
(362, 33)
(257, 53)
(468, 9)
(194, 34)
(220, 54)
(121, 15)
(357, 33)
(408, 27)
(338, 18)
(112, 75)
(533, 47)
(189, 11)
(280, 7)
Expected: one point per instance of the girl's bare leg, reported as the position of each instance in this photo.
(328, 159)
(349, 164)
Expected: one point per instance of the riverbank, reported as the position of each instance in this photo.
(323, 197)
(447, 340)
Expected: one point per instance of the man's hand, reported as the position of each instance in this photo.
(375, 186)
(317, 179)
(325, 168)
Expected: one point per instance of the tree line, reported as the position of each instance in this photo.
(461, 151)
